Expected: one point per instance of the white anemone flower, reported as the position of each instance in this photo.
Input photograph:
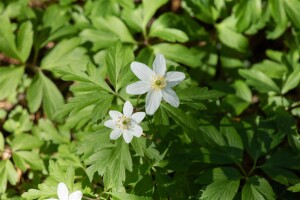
(63, 193)
(126, 123)
(156, 83)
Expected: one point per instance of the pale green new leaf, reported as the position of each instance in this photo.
(295, 188)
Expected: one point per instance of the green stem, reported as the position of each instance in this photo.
(253, 168)
(242, 169)
(117, 95)
(138, 99)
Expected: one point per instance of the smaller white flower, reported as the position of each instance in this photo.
(126, 123)
(63, 193)
(156, 83)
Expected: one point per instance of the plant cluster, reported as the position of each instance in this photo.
(149, 99)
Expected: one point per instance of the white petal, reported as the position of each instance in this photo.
(138, 117)
(159, 65)
(153, 100)
(137, 130)
(173, 78)
(77, 195)
(170, 96)
(127, 109)
(115, 134)
(142, 71)
(110, 124)
(62, 191)
(127, 136)
(139, 87)
(115, 114)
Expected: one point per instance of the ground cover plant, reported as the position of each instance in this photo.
(149, 99)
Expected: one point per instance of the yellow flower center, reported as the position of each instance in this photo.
(124, 122)
(158, 82)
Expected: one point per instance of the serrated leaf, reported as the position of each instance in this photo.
(101, 108)
(7, 38)
(187, 122)
(259, 80)
(295, 188)
(119, 160)
(257, 188)
(52, 98)
(142, 147)
(292, 80)
(66, 53)
(9, 85)
(20, 142)
(198, 94)
(225, 189)
(178, 53)
(165, 28)
(117, 57)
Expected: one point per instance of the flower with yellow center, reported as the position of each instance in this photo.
(125, 124)
(156, 83)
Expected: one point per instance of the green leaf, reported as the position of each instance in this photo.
(91, 76)
(257, 188)
(114, 26)
(187, 122)
(292, 8)
(117, 57)
(198, 94)
(119, 160)
(25, 40)
(295, 188)
(7, 173)
(66, 53)
(206, 11)
(52, 98)
(280, 175)
(178, 53)
(133, 18)
(101, 108)
(242, 91)
(20, 142)
(218, 174)
(149, 9)
(9, 85)
(2, 142)
(225, 189)
(165, 28)
(292, 80)
(7, 38)
(271, 68)
(230, 37)
(143, 147)
(125, 196)
(247, 13)
(34, 95)
(32, 159)
(160, 117)
(259, 80)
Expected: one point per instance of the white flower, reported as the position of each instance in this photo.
(157, 83)
(63, 193)
(126, 123)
